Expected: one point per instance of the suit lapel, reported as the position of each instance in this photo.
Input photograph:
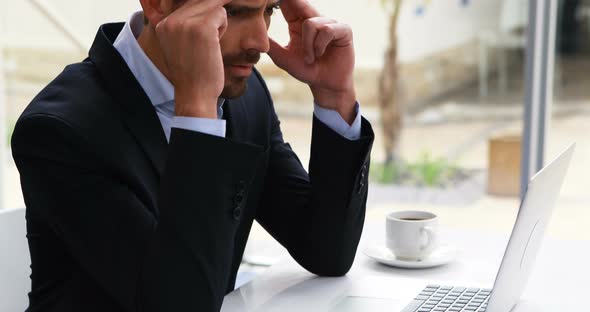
(234, 112)
(139, 114)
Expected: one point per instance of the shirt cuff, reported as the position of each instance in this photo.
(334, 121)
(209, 126)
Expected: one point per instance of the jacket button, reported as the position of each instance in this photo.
(240, 186)
(361, 187)
(362, 179)
(237, 213)
(238, 198)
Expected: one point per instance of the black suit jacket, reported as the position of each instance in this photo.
(120, 220)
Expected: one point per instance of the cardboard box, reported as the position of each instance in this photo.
(504, 165)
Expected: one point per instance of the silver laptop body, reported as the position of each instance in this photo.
(533, 216)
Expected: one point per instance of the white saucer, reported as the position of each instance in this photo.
(441, 256)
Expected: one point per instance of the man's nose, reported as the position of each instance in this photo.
(255, 37)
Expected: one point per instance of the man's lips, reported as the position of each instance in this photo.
(243, 70)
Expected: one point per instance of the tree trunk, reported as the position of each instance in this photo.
(389, 99)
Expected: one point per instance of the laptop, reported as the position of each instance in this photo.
(533, 216)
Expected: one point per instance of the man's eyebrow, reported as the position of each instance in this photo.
(246, 9)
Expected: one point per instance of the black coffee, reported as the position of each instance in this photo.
(412, 219)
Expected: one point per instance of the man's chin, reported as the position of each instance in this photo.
(235, 88)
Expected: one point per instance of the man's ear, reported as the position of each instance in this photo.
(153, 10)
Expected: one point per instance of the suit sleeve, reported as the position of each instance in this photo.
(318, 217)
(179, 261)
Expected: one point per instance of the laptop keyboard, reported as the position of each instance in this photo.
(435, 298)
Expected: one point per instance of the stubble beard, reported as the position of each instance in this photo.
(234, 87)
(237, 86)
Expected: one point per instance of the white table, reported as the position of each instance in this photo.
(559, 282)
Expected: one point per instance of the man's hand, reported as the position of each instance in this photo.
(320, 53)
(189, 38)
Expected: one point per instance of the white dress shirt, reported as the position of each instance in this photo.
(161, 92)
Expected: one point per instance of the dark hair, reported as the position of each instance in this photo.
(145, 20)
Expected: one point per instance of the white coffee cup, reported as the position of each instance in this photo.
(411, 235)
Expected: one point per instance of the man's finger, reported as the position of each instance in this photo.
(221, 20)
(309, 34)
(197, 7)
(332, 34)
(216, 16)
(296, 10)
(278, 53)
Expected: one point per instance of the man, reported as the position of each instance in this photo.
(144, 166)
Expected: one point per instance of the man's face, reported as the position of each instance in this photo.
(243, 42)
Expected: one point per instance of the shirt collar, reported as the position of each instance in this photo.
(157, 87)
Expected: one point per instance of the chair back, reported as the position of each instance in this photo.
(514, 15)
(15, 261)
